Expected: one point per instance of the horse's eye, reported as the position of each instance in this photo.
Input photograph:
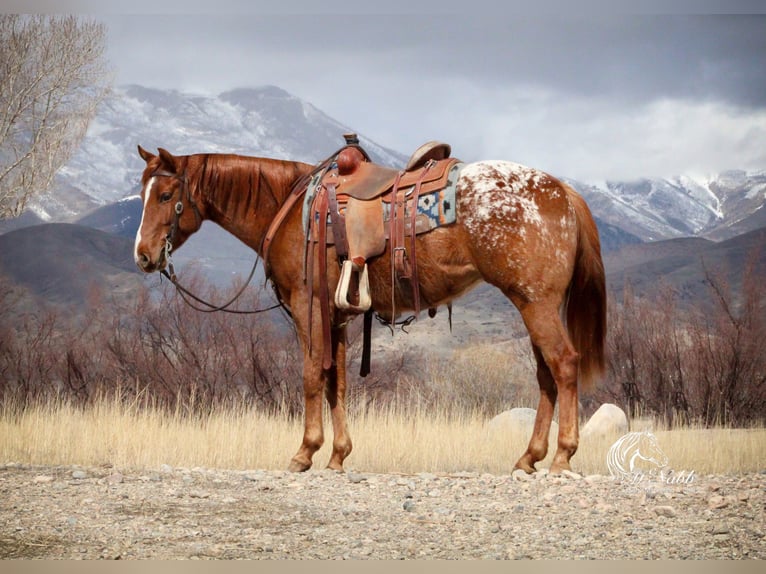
(165, 197)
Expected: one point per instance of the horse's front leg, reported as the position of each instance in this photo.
(319, 383)
(336, 398)
(315, 380)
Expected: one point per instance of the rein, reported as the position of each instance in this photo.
(209, 307)
(185, 294)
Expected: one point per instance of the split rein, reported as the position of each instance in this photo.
(186, 295)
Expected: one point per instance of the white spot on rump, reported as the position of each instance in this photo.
(147, 194)
(501, 187)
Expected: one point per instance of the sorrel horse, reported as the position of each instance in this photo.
(517, 228)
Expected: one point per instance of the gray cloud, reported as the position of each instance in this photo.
(582, 96)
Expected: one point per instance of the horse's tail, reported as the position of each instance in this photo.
(586, 303)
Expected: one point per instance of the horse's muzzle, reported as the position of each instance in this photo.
(145, 263)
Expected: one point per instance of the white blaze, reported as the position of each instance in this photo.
(147, 194)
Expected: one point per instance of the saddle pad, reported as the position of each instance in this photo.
(434, 209)
(437, 207)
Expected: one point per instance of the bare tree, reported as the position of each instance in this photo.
(53, 75)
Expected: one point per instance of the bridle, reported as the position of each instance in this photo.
(171, 237)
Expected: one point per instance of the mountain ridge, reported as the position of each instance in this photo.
(268, 121)
(684, 215)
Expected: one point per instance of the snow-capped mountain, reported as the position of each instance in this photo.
(264, 121)
(269, 122)
(718, 206)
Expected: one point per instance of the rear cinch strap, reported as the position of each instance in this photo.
(364, 370)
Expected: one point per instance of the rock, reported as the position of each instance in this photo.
(115, 478)
(550, 496)
(596, 478)
(42, 479)
(519, 474)
(603, 508)
(79, 474)
(717, 501)
(608, 420)
(571, 474)
(667, 511)
(519, 421)
(254, 475)
(356, 478)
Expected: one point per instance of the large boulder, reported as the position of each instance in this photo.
(608, 420)
(518, 421)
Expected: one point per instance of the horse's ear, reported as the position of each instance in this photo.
(168, 160)
(145, 155)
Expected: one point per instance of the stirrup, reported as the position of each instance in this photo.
(341, 293)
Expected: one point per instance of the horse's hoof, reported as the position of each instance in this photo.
(298, 466)
(522, 464)
(561, 468)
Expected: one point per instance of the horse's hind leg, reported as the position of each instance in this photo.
(557, 363)
(538, 443)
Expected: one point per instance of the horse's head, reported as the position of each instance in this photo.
(169, 214)
(650, 451)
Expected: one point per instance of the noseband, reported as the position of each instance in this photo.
(178, 209)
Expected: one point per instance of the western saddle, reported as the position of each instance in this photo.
(346, 199)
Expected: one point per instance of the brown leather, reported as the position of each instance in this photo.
(276, 223)
(369, 180)
(401, 264)
(361, 187)
(429, 150)
(365, 230)
(348, 160)
(324, 290)
(414, 281)
(403, 259)
(338, 224)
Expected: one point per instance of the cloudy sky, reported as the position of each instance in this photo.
(591, 96)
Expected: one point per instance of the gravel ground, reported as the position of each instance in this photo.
(101, 513)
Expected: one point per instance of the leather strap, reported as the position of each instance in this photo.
(277, 222)
(413, 235)
(404, 263)
(401, 261)
(393, 242)
(324, 291)
(364, 369)
(308, 270)
(338, 224)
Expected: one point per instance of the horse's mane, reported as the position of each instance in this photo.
(242, 178)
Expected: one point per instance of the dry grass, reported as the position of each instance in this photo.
(391, 439)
